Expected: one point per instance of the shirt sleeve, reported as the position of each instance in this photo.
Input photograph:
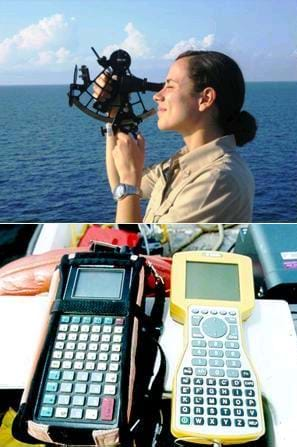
(216, 197)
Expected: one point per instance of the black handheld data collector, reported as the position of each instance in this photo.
(96, 357)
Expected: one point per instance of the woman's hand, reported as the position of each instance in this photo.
(102, 87)
(128, 156)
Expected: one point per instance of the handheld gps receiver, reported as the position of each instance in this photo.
(85, 361)
(216, 396)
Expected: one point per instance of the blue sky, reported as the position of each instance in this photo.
(41, 40)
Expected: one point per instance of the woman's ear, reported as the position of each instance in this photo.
(206, 98)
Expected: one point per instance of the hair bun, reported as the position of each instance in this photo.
(244, 127)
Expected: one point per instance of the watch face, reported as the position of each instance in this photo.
(119, 192)
(123, 190)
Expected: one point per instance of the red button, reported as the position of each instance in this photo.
(107, 409)
(119, 321)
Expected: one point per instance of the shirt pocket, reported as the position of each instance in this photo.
(168, 205)
(156, 197)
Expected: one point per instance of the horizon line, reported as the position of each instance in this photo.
(67, 84)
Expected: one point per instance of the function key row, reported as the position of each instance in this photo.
(197, 311)
(245, 373)
(213, 372)
(91, 320)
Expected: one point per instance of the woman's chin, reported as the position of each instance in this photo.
(162, 125)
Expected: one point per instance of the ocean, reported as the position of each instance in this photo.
(53, 156)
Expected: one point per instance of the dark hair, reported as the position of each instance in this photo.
(219, 71)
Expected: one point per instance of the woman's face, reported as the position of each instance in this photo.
(177, 103)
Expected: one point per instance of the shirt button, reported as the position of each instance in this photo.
(187, 172)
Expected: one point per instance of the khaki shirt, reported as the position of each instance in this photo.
(209, 184)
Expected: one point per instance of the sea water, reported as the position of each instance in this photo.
(53, 156)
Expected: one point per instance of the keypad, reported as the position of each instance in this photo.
(216, 385)
(83, 378)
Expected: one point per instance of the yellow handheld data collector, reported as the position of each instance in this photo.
(216, 396)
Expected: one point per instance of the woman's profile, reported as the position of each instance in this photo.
(207, 180)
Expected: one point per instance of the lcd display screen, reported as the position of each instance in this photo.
(212, 281)
(100, 284)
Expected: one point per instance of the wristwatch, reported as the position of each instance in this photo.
(123, 190)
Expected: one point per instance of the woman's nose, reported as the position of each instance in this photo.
(158, 96)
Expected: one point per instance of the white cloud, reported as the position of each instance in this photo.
(60, 56)
(208, 41)
(134, 43)
(44, 58)
(41, 43)
(190, 44)
(5, 50)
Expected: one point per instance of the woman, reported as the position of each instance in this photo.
(206, 180)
